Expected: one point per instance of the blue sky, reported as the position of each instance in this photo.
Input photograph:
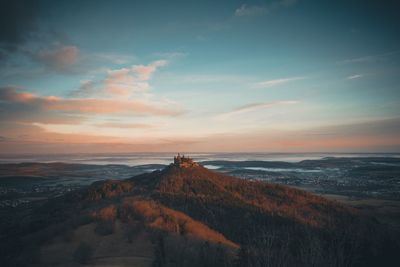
(283, 75)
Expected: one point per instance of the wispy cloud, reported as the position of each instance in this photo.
(256, 10)
(115, 58)
(87, 88)
(206, 78)
(254, 107)
(58, 59)
(170, 55)
(245, 10)
(370, 58)
(125, 125)
(356, 76)
(276, 82)
(61, 58)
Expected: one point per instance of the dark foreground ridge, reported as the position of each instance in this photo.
(187, 215)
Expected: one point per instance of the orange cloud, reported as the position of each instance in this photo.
(144, 72)
(127, 81)
(121, 82)
(89, 105)
(108, 106)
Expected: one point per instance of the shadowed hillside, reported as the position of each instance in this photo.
(187, 215)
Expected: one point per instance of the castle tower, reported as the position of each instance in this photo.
(184, 162)
(177, 159)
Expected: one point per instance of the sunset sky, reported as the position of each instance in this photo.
(228, 76)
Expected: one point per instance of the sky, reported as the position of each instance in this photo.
(199, 76)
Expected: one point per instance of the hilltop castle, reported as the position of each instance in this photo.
(184, 162)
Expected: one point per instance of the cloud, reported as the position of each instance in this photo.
(254, 107)
(356, 76)
(87, 88)
(115, 58)
(122, 82)
(368, 59)
(34, 138)
(144, 72)
(205, 78)
(58, 59)
(111, 106)
(126, 81)
(22, 30)
(271, 83)
(29, 61)
(125, 125)
(245, 10)
(24, 107)
(64, 107)
(170, 55)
